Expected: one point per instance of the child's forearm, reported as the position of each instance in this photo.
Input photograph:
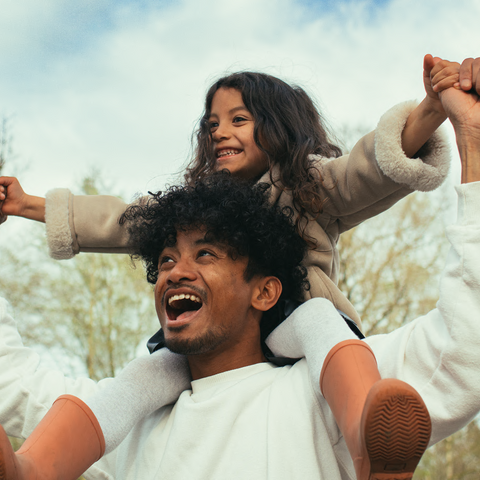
(34, 208)
(420, 125)
(14, 201)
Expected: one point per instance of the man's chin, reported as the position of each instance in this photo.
(196, 346)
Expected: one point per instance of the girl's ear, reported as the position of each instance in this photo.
(266, 293)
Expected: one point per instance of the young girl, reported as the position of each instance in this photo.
(261, 129)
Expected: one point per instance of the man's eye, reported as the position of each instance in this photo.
(164, 260)
(205, 253)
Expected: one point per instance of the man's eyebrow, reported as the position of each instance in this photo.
(204, 241)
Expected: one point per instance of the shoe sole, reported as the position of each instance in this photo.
(397, 430)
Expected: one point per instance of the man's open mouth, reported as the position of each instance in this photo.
(182, 306)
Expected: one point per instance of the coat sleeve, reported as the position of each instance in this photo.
(377, 173)
(438, 354)
(28, 390)
(84, 223)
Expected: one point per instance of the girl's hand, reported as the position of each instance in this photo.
(14, 201)
(438, 75)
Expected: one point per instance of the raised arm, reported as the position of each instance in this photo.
(438, 353)
(429, 114)
(379, 171)
(462, 106)
(84, 223)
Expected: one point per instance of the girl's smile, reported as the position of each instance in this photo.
(231, 127)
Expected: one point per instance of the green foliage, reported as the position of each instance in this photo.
(90, 313)
(99, 311)
(455, 458)
(5, 143)
(390, 265)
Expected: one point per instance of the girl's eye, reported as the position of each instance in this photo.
(239, 119)
(213, 126)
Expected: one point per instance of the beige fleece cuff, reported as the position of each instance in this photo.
(424, 174)
(59, 236)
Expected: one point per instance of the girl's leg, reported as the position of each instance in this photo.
(145, 385)
(74, 435)
(385, 423)
(44, 456)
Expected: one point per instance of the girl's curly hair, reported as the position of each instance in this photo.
(232, 212)
(288, 129)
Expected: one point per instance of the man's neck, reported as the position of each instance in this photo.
(212, 363)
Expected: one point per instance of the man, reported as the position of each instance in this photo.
(243, 417)
(223, 261)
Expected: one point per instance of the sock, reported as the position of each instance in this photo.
(145, 385)
(311, 331)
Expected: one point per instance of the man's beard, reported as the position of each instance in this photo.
(199, 345)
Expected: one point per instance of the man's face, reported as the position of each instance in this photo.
(202, 299)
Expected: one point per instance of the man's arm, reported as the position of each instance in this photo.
(438, 354)
(463, 109)
(27, 390)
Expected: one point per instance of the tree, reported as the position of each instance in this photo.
(390, 265)
(90, 313)
(5, 142)
(455, 458)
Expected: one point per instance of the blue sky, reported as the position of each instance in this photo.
(119, 85)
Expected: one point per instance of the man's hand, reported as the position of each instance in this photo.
(461, 105)
(463, 110)
(470, 75)
(14, 201)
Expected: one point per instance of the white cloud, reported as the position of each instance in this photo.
(120, 87)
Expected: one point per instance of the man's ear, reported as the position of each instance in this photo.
(266, 293)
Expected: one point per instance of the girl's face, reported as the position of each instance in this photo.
(231, 127)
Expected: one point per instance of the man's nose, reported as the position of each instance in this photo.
(182, 271)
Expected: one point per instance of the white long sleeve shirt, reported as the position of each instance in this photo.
(266, 422)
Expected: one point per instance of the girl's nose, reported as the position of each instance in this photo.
(221, 133)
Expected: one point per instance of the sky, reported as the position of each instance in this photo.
(118, 85)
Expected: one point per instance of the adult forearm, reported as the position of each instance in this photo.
(469, 150)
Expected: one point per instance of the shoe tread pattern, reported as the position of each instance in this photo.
(398, 433)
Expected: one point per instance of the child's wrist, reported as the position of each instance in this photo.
(433, 108)
(34, 208)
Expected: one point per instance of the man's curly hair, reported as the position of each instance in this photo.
(231, 212)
